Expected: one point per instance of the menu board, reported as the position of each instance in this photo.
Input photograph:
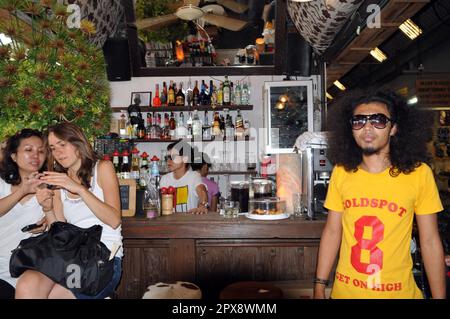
(127, 188)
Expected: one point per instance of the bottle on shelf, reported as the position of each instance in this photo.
(196, 127)
(232, 93)
(245, 95)
(213, 98)
(189, 94)
(203, 98)
(226, 92)
(171, 95)
(156, 99)
(172, 126)
(116, 163)
(216, 125)
(148, 129)
(125, 167)
(206, 128)
(195, 95)
(164, 94)
(220, 94)
(237, 94)
(134, 171)
(189, 126)
(180, 97)
(123, 125)
(239, 129)
(143, 172)
(180, 128)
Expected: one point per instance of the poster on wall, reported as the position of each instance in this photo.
(433, 93)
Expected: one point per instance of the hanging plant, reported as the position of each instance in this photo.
(48, 72)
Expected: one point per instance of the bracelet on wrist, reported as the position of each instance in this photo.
(321, 281)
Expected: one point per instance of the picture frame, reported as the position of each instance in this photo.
(127, 191)
(288, 112)
(144, 96)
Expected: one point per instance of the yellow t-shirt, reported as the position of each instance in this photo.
(374, 258)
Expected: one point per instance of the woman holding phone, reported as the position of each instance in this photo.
(22, 157)
(87, 194)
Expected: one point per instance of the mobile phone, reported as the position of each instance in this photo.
(31, 227)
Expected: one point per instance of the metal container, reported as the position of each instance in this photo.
(262, 188)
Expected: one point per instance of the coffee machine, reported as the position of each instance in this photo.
(316, 172)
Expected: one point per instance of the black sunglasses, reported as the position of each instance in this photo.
(377, 120)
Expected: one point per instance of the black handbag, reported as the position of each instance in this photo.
(72, 256)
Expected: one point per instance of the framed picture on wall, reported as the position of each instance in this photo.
(140, 98)
(288, 112)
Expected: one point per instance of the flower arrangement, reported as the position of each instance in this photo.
(49, 72)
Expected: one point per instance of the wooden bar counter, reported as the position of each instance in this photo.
(212, 251)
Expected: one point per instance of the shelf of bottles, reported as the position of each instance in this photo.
(145, 109)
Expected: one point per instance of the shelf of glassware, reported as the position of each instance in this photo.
(188, 108)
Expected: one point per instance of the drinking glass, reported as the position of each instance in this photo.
(298, 205)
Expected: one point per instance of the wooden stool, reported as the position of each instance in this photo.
(251, 290)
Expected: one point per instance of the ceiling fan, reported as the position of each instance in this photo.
(190, 10)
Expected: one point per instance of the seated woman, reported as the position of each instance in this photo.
(213, 189)
(88, 195)
(22, 157)
(190, 192)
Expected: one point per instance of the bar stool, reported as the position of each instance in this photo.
(251, 290)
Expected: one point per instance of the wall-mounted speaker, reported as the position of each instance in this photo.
(299, 56)
(117, 58)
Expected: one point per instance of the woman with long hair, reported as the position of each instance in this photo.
(86, 194)
(22, 157)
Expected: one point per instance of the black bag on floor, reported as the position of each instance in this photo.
(72, 256)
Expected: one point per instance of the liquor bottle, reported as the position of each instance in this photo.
(220, 95)
(166, 129)
(189, 94)
(164, 94)
(153, 128)
(206, 128)
(237, 94)
(213, 98)
(196, 127)
(116, 163)
(171, 95)
(231, 93)
(172, 126)
(148, 129)
(134, 171)
(195, 95)
(203, 98)
(189, 126)
(141, 128)
(216, 125)
(123, 125)
(239, 126)
(156, 99)
(211, 90)
(125, 167)
(226, 92)
(181, 128)
(180, 97)
(143, 172)
(245, 94)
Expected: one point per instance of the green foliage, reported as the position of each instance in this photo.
(50, 73)
(155, 8)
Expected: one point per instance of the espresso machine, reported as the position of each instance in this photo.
(316, 172)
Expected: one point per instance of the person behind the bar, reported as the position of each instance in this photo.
(190, 192)
(22, 157)
(88, 195)
(380, 182)
(202, 166)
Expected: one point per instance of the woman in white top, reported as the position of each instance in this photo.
(87, 195)
(21, 158)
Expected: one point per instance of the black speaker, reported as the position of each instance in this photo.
(299, 55)
(117, 59)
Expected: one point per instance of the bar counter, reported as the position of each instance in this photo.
(212, 251)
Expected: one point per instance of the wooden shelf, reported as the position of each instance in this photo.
(187, 108)
(188, 140)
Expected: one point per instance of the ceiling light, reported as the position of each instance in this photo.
(411, 29)
(413, 100)
(280, 105)
(283, 98)
(339, 85)
(329, 96)
(378, 54)
(5, 39)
